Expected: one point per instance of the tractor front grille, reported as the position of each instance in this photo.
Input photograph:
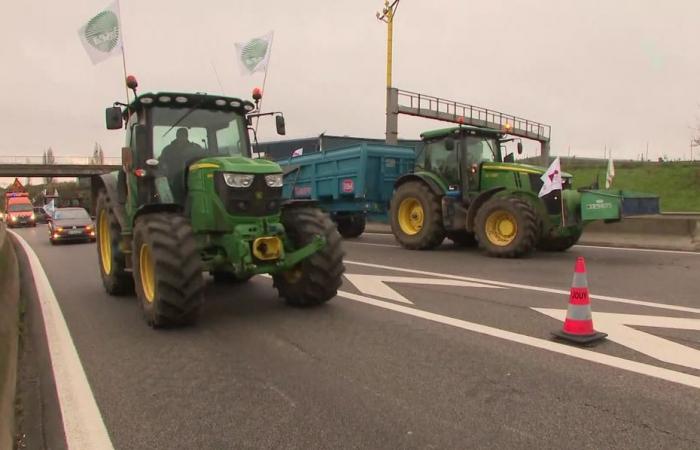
(256, 200)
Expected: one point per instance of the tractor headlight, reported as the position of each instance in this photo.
(238, 180)
(274, 180)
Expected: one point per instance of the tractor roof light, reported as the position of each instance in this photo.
(164, 99)
(180, 99)
(220, 102)
(146, 100)
(131, 82)
(257, 94)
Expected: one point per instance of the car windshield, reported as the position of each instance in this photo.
(71, 214)
(213, 133)
(20, 207)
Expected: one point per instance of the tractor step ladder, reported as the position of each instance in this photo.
(430, 107)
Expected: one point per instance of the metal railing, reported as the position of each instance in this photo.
(61, 160)
(428, 106)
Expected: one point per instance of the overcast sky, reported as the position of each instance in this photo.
(620, 73)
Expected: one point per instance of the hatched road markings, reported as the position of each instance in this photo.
(617, 327)
(376, 286)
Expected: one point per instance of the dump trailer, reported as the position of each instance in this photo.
(190, 199)
(352, 183)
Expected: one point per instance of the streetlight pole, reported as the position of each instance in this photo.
(387, 16)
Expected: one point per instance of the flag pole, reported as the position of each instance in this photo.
(121, 30)
(267, 66)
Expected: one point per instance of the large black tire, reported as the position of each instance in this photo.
(167, 269)
(462, 238)
(316, 279)
(351, 226)
(416, 217)
(506, 227)
(115, 279)
(561, 243)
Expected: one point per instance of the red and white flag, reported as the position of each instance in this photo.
(298, 152)
(551, 178)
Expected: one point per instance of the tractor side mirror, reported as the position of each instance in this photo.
(520, 148)
(113, 118)
(449, 143)
(279, 122)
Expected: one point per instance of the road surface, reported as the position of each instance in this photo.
(437, 349)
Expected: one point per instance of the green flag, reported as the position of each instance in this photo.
(101, 36)
(254, 54)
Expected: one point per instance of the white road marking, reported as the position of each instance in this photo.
(528, 287)
(662, 349)
(82, 422)
(375, 285)
(368, 243)
(587, 355)
(601, 247)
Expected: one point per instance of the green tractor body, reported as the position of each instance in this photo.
(466, 189)
(190, 199)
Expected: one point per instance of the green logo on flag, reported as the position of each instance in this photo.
(102, 31)
(254, 52)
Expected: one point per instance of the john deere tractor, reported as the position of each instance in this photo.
(190, 199)
(466, 189)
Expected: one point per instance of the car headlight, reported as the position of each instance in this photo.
(274, 180)
(14, 218)
(32, 216)
(238, 180)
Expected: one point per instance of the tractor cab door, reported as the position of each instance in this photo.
(443, 162)
(476, 150)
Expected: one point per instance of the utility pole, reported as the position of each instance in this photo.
(387, 16)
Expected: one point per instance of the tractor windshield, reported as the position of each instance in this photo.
(480, 149)
(209, 132)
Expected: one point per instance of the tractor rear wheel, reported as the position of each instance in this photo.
(112, 261)
(462, 238)
(506, 227)
(167, 269)
(351, 226)
(316, 279)
(560, 243)
(416, 217)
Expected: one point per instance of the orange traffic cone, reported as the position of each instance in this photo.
(578, 326)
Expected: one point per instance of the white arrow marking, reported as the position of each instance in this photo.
(375, 285)
(617, 327)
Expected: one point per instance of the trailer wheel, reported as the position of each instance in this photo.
(317, 278)
(560, 243)
(506, 227)
(462, 238)
(351, 226)
(167, 269)
(115, 279)
(416, 217)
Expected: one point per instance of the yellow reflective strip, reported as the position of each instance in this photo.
(204, 166)
(513, 169)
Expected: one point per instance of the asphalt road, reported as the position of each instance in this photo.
(394, 365)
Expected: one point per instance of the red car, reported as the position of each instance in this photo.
(71, 224)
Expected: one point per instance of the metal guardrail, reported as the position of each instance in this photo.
(61, 160)
(428, 106)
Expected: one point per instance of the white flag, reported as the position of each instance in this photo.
(298, 152)
(102, 35)
(551, 178)
(254, 54)
(610, 174)
(50, 208)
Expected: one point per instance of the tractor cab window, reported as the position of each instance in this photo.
(480, 149)
(442, 161)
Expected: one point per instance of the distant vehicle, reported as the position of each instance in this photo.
(19, 211)
(40, 215)
(71, 224)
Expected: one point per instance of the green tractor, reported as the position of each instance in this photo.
(190, 199)
(465, 188)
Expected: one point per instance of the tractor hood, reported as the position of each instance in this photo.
(523, 168)
(238, 164)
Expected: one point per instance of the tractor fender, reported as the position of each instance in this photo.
(157, 207)
(415, 177)
(477, 203)
(109, 182)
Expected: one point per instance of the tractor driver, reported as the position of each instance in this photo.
(174, 160)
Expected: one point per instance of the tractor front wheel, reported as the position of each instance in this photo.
(416, 217)
(167, 270)
(112, 261)
(316, 279)
(506, 227)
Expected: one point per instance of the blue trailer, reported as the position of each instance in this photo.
(350, 183)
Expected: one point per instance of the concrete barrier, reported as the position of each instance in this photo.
(9, 336)
(663, 232)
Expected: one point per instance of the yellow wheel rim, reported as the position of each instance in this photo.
(147, 272)
(105, 242)
(411, 216)
(501, 228)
